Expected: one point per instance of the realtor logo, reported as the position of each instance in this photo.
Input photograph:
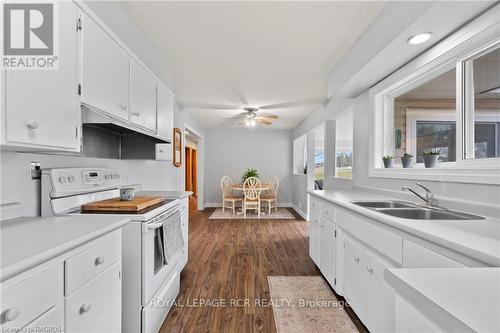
(29, 36)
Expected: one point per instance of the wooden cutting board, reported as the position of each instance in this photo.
(116, 205)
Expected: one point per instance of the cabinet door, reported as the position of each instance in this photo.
(96, 307)
(165, 112)
(327, 250)
(379, 298)
(41, 106)
(142, 97)
(354, 277)
(105, 71)
(314, 238)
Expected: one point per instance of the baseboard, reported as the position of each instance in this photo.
(299, 211)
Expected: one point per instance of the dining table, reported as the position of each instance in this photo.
(263, 187)
(239, 187)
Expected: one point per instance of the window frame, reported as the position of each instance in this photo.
(454, 52)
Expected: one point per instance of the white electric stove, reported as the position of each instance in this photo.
(152, 243)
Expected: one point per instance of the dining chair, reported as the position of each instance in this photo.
(251, 191)
(271, 196)
(229, 199)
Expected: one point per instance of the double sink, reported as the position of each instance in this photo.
(408, 210)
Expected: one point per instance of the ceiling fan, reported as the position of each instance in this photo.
(250, 118)
(253, 116)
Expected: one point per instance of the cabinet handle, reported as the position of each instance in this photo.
(369, 269)
(85, 308)
(99, 261)
(32, 124)
(11, 314)
(123, 107)
(356, 259)
(137, 114)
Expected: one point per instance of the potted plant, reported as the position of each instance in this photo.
(430, 158)
(249, 172)
(388, 161)
(407, 160)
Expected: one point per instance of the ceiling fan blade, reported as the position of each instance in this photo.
(269, 117)
(211, 106)
(312, 101)
(264, 122)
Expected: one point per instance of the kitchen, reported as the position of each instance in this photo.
(111, 120)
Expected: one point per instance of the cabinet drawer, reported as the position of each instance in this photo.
(50, 321)
(315, 205)
(89, 263)
(328, 211)
(24, 302)
(385, 242)
(416, 256)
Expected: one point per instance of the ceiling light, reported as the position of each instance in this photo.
(251, 123)
(419, 38)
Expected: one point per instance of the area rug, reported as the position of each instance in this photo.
(306, 304)
(281, 214)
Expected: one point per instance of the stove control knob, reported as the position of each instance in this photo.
(71, 179)
(63, 180)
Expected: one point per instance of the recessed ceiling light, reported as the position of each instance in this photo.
(419, 38)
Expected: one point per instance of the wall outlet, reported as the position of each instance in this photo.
(36, 170)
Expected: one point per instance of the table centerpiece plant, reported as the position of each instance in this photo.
(249, 172)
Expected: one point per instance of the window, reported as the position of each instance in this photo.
(482, 86)
(319, 156)
(343, 146)
(300, 155)
(425, 119)
(446, 101)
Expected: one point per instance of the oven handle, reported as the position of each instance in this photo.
(154, 226)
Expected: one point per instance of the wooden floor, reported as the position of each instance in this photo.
(230, 260)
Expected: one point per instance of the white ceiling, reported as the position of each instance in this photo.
(252, 53)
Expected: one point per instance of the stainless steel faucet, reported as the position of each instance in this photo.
(429, 196)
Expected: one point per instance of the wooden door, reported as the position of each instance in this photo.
(189, 170)
(194, 171)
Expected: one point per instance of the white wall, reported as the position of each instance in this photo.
(230, 152)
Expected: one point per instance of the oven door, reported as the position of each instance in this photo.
(158, 263)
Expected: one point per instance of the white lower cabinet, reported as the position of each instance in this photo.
(93, 308)
(37, 300)
(371, 297)
(314, 238)
(327, 250)
(185, 230)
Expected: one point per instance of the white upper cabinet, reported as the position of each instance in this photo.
(165, 112)
(40, 108)
(142, 97)
(105, 71)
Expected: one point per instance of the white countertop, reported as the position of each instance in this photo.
(28, 241)
(477, 239)
(167, 194)
(471, 296)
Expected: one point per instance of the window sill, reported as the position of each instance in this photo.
(445, 174)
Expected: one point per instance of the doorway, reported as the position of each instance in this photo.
(191, 172)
